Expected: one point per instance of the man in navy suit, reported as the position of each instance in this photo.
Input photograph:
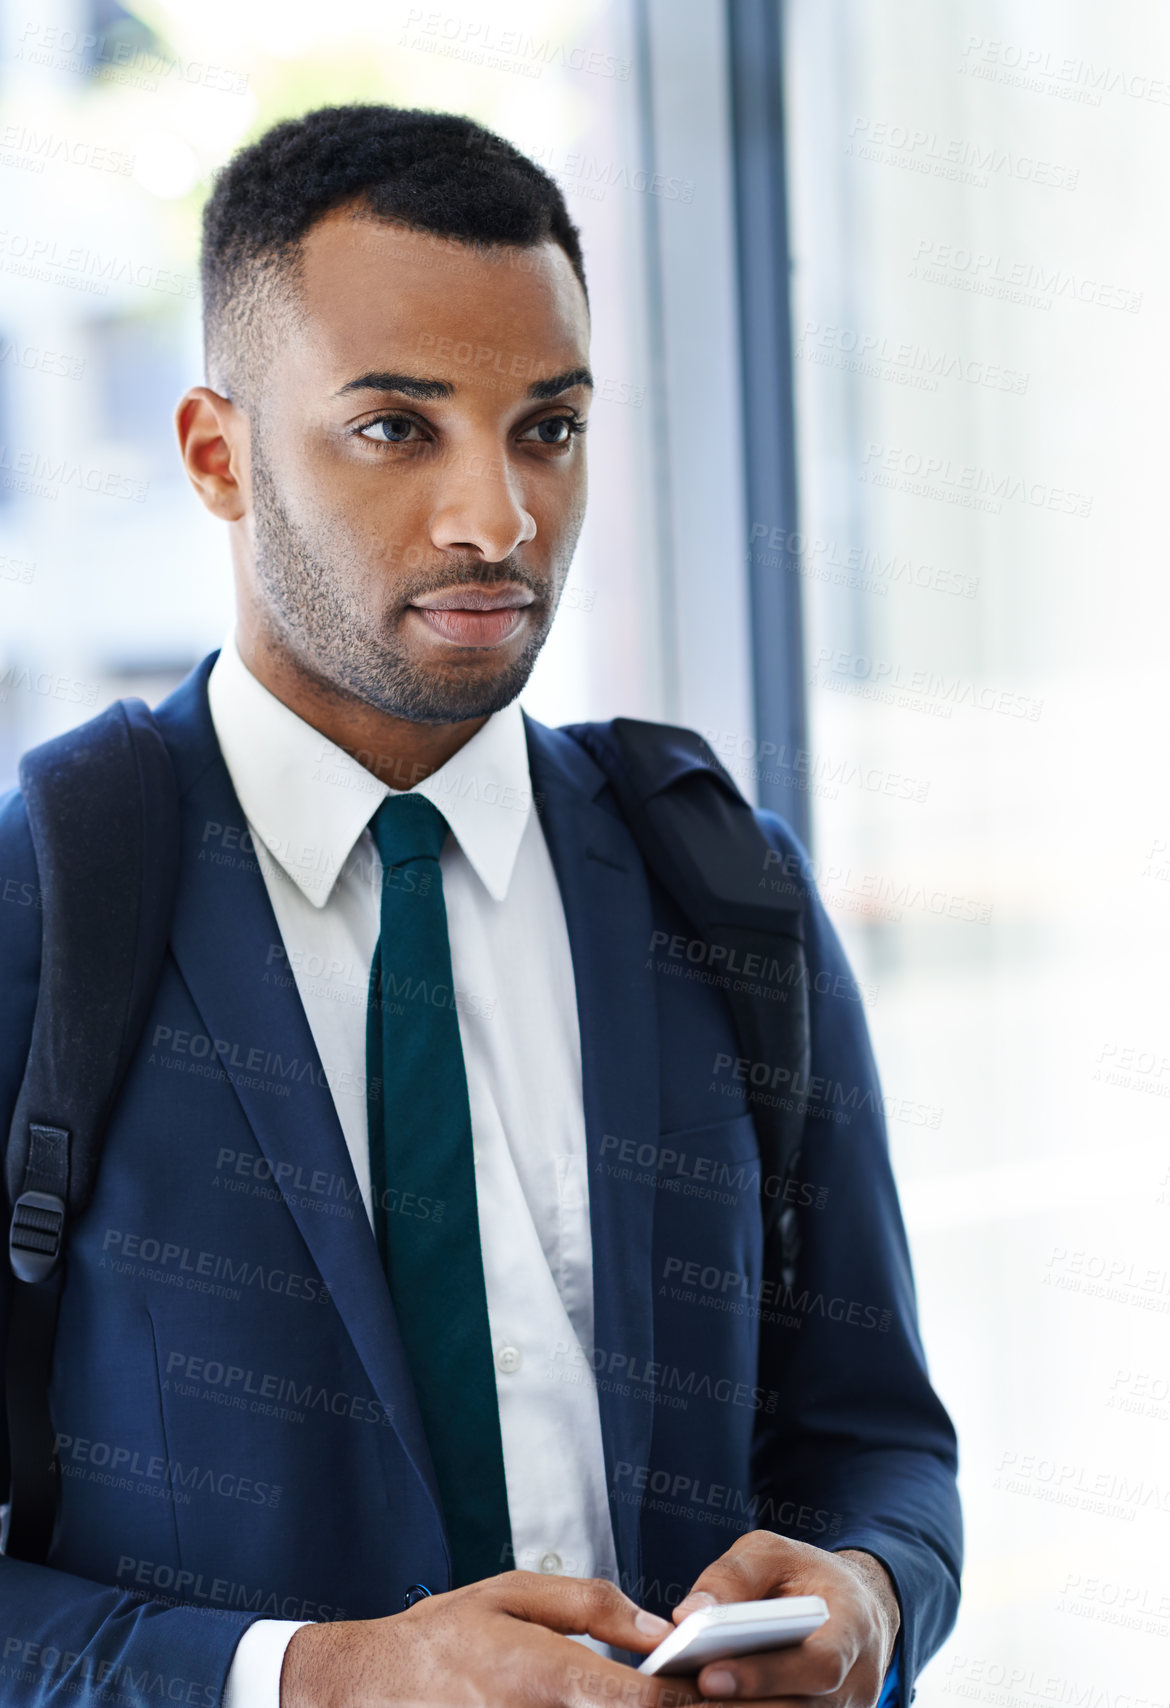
(426, 1251)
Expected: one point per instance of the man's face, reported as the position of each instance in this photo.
(418, 473)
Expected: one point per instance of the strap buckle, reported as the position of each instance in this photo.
(36, 1235)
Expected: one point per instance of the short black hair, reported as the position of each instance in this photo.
(434, 172)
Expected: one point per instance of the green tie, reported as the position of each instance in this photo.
(423, 1179)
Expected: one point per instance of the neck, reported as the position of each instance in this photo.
(396, 751)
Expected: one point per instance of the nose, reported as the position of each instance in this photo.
(480, 510)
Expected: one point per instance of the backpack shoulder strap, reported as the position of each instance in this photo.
(702, 841)
(102, 806)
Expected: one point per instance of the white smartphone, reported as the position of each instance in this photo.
(736, 1628)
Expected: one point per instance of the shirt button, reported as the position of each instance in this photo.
(550, 1562)
(508, 1362)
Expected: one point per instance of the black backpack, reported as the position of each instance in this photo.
(102, 805)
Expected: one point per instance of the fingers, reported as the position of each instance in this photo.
(593, 1682)
(816, 1667)
(754, 1567)
(591, 1607)
(555, 1670)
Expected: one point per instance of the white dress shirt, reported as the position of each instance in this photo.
(308, 806)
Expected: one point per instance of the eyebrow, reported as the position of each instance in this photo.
(408, 385)
(553, 387)
(430, 391)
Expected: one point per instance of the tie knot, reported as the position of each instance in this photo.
(408, 827)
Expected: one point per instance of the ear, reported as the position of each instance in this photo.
(214, 442)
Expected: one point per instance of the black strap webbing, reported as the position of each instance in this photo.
(102, 806)
(700, 839)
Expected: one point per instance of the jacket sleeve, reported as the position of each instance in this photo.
(65, 1639)
(859, 1437)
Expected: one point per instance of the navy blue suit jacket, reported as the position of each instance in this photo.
(237, 1429)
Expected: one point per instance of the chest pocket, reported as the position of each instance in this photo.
(718, 1163)
(729, 1140)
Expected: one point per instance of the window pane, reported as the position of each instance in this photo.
(981, 331)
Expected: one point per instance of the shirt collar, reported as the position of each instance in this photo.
(309, 802)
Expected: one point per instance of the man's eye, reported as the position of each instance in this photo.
(390, 430)
(555, 430)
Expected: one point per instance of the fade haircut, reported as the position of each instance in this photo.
(433, 172)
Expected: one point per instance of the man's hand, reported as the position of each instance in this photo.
(493, 1642)
(845, 1662)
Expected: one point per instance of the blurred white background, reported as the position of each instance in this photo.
(980, 323)
(982, 328)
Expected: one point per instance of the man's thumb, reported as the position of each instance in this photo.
(695, 1602)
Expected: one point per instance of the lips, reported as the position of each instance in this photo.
(474, 616)
(474, 599)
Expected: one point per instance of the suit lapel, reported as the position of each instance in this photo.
(607, 910)
(222, 937)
